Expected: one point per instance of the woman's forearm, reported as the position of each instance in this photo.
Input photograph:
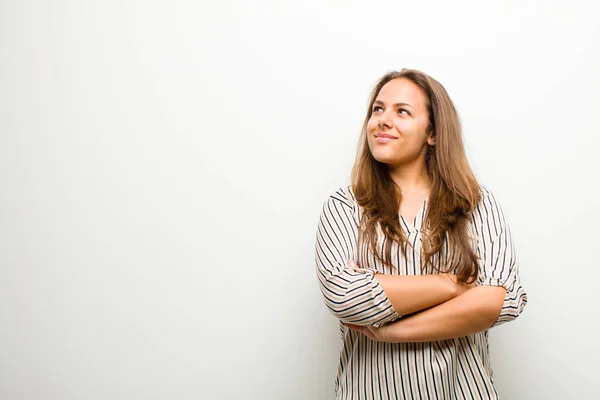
(474, 311)
(411, 293)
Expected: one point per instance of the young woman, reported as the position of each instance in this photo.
(415, 258)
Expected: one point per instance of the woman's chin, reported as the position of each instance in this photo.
(384, 158)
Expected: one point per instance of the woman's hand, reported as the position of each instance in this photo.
(459, 286)
(380, 334)
(352, 264)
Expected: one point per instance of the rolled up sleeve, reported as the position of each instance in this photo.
(498, 260)
(352, 296)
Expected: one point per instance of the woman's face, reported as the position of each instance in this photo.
(397, 130)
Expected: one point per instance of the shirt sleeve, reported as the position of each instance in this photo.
(352, 296)
(498, 259)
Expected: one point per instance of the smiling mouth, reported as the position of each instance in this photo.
(384, 136)
(383, 139)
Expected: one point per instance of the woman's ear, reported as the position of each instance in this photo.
(431, 139)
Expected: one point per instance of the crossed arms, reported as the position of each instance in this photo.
(418, 308)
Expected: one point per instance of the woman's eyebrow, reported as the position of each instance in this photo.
(379, 102)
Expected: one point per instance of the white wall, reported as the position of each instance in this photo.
(163, 166)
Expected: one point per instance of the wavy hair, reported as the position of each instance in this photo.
(454, 190)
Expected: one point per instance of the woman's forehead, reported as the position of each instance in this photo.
(402, 91)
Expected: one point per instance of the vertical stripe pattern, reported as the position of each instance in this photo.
(450, 369)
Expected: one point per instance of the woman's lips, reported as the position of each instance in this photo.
(384, 138)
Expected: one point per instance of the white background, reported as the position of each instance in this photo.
(163, 165)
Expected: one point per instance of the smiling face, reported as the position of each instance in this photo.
(397, 129)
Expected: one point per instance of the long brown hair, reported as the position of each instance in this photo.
(454, 190)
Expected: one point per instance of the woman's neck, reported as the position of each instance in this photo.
(410, 177)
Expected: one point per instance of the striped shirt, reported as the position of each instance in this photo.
(448, 369)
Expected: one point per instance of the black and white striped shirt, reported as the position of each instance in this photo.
(449, 369)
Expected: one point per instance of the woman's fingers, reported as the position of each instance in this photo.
(359, 328)
(369, 331)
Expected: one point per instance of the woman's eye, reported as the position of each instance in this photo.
(376, 108)
(402, 109)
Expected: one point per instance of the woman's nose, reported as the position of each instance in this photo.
(383, 120)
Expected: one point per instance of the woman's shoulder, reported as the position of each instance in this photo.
(488, 211)
(485, 190)
(344, 195)
(487, 197)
